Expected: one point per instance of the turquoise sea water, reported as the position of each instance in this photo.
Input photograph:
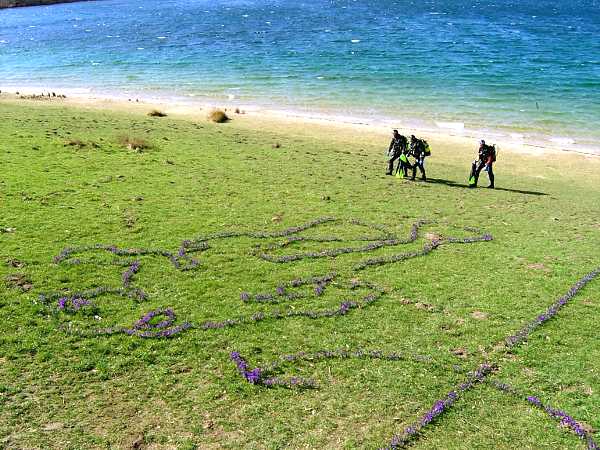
(528, 67)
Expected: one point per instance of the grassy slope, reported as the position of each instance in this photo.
(61, 391)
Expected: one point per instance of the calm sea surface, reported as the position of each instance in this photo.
(519, 67)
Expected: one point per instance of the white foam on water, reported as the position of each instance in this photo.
(517, 136)
(231, 97)
(456, 126)
(3, 42)
(161, 37)
(562, 140)
(320, 78)
(140, 48)
(355, 41)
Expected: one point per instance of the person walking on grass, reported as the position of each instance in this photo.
(397, 147)
(418, 149)
(485, 161)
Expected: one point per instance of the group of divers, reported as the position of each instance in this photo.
(418, 149)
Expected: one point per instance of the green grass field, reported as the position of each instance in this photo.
(63, 385)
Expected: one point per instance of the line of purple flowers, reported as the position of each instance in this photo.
(72, 303)
(390, 241)
(262, 375)
(130, 272)
(439, 407)
(344, 308)
(565, 419)
(134, 293)
(411, 432)
(141, 330)
(259, 376)
(181, 260)
(427, 248)
(281, 291)
(387, 241)
(144, 327)
(524, 332)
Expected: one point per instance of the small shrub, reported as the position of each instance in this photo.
(134, 143)
(218, 116)
(157, 113)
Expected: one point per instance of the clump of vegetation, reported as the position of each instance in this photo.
(75, 143)
(218, 116)
(157, 113)
(134, 143)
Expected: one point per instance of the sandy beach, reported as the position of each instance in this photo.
(450, 135)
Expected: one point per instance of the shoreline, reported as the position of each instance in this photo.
(27, 3)
(196, 108)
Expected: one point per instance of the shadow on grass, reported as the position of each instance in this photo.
(466, 186)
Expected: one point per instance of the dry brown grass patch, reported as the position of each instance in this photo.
(218, 116)
(157, 113)
(75, 143)
(134, 143)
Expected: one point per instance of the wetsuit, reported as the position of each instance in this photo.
(417, 150)
(397, 147)
(487, 156)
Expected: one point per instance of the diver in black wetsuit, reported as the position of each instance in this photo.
(417, 150)
(485, 161)
(398, 146)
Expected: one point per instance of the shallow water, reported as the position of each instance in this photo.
(527, 69)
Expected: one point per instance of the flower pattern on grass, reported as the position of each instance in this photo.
(439, 407)
(411, 433)
(524, 332)
(154, 324)
(282, 291)
(160, 323)
(564, 419)
(262, 375)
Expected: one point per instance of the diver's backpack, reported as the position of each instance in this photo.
(426, 148)
(493, 152)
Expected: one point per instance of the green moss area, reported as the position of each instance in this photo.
(67, 180)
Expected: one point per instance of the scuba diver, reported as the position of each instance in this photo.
(485, 161)
(419, 149)
(397, 149)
